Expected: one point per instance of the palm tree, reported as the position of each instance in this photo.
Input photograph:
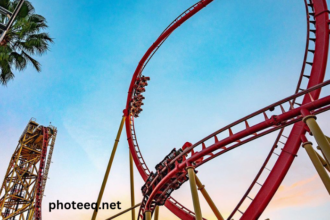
(24, 39)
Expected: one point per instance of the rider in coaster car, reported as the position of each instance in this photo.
(138, 97)
(139, 90)
(136, 111)
(142, 84)
(133, 110)
(145, 78)
(137, 104)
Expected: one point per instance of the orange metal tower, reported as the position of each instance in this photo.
(24, 183)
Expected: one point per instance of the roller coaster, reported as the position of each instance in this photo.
(180, 165)
(22, 190)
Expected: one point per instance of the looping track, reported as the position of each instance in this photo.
(317, 16)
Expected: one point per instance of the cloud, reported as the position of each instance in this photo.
(307, 192)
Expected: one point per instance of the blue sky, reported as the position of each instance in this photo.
(232, 58)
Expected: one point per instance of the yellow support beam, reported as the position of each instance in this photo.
(105, 179)
(318, 147)
(148, 215)
(131, 171)
(194, 193)
(208, 199)
(317, 164)
(323, 161)
(123, 212)
(156, 213)
(320, 138)
(4, 187)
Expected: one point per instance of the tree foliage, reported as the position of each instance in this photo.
(23, 41)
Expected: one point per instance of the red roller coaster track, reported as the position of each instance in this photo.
(317, 16)
(39, 189)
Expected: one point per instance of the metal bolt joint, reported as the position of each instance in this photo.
(274, 120)
(308, 117)
(201, 188)
(308, 142)
(190, 167)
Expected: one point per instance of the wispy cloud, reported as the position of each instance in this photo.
(307, 192)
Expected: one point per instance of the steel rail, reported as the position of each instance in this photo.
(259, 112)
(283, 164)
(257, 176)
(174, 206)
(315, 112)
(39, 189)
(306, 47)
(288, 99)
(49, 160)
(252, 115)
(271, 152)
(137, 148)
(283, 120)
(170, 25)
(314, 80)
(310, 98)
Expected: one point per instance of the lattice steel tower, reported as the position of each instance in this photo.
(24, 183)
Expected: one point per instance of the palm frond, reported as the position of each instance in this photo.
(4, 3)
(6, 74)
(35, 44)
(23, 40)
(26, 9)
(34, 62)
(37, 18)
(18, 60)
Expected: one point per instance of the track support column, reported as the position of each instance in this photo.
(317, 164)
(318, 135)
(131, 171)
(156, 213)
(194, 193)
(123, 212)
(323, 161)
(147, 215)
(106, 175)
(208, 199)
